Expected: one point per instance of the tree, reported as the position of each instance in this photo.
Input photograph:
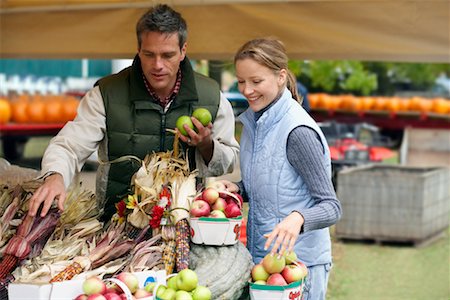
(365, 78)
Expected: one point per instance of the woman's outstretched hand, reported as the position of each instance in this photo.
(285, 234)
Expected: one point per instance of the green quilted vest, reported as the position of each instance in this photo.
(136, 125)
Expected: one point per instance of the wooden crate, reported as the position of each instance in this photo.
(393, 203)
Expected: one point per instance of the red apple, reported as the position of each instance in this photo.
(130, 280)
(258, 273)
(273, 263)
(81, 297)
(115, 289)
(292, 273)
(200, 208)
(241, 200)
(210, 195)
(303, 267)
(276, 279)
(142, 293)
(112, 296)
(96, 297)
(217, 214)
(220, 204)
(232, 210)
(94, 285)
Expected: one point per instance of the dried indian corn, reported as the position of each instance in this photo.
(182, 244)
(168, 234)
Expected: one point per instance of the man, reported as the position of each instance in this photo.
(127, 114)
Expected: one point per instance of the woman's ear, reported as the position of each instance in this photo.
(282, 77)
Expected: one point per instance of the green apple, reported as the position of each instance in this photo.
(184, 120)
(187, 280)
(259, 273)
(161, 289)
(260, 282)
(149, 287)
(182, 295)
(201, 293)
(168, 294)
(203, 115)
(172, 283)
(290, 257)
(273, 263)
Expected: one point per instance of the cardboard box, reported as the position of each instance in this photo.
(69, 289)
(292, 291)
(215, 231)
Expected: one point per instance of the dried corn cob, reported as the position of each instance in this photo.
(68, 273)
(182, 244)
(168, 234)
(169, 256)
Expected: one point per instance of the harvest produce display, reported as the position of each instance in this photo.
(390, 104)
(150, 232)
(38, 109)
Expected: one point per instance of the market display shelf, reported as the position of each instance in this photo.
(11, 129)
(385, 119)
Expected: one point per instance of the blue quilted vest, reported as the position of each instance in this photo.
(272, 184)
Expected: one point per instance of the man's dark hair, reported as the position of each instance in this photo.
(162, 18)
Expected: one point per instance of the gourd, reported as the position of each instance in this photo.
(225, 270)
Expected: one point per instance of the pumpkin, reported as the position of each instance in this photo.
(441, 106)
(69, 108)
(52, 110)
(19, 110)
(392, 104)
(36, 110)
(367, 103)
(225, 270)
(5, 111)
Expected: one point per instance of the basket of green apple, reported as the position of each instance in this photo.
(182, 285)
(124, 286)
(216, 216)
(278, 278)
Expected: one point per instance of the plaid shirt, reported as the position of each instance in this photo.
(168, 100)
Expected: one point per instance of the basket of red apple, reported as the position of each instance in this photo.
(184, 286)
(216, 216)
(124, 286)
(278, 278)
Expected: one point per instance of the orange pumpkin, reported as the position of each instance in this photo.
(19, 110)
(392, 104)
(69, 108)
(52, 110)
(367, 103)
(36, 110)
(380, 103)
(313, 100)
(5, 111)
(440, 105)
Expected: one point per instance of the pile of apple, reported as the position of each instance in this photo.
(279, 270)
(183, 286)
(216, 202)
(95, 288)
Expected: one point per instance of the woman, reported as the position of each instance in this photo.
(285, 166)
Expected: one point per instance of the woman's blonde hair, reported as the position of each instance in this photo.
(271, 53)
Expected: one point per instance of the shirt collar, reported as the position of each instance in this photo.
(166, 101)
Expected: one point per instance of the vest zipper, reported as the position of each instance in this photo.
(162, 140)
